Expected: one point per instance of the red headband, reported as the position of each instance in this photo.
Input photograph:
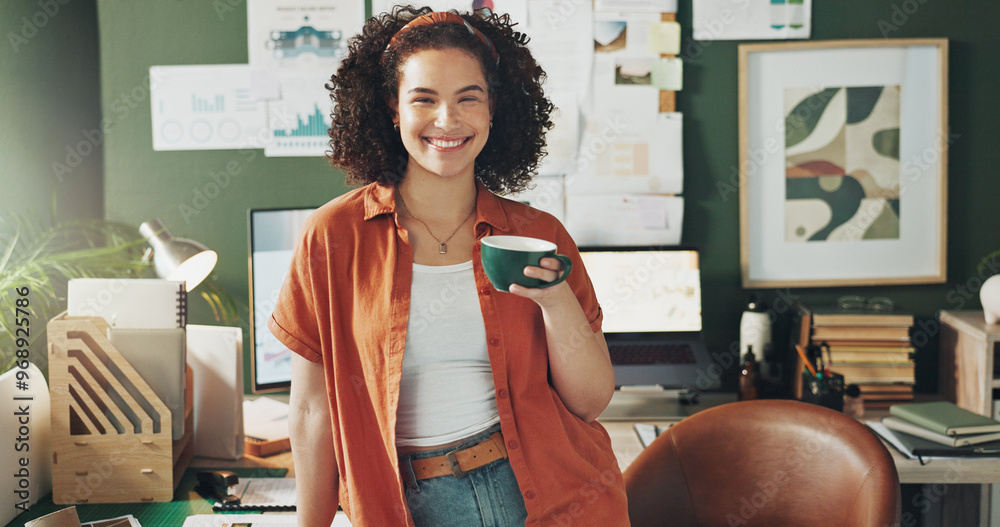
(443, 17)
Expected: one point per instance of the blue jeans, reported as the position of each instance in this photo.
(487, 496)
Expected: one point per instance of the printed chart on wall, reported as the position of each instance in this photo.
(294, 47)
(299, 119)
(751, 19)
(205, 108)
(301, 35)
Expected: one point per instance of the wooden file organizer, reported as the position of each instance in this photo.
(111, 435)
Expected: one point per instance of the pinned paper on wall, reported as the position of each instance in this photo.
(668, 74)
(205, 107)
(623, 64)
(625, 219)
(641, 6)
(304, 35)
(547, 194)
(562, 44)
(751, 19)
(665, 38)
(630, 156)
(561, 141)
(299, 119)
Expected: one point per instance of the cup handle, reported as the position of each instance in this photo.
(567, 267)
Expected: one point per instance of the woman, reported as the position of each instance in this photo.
(422, 396)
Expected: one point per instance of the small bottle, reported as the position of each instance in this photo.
(755, 331)
(854, 404)
(748, 377)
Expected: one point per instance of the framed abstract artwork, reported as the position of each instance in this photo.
(843, 162)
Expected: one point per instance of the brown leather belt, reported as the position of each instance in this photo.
(458, 462)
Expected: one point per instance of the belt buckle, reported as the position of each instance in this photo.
(455, 469)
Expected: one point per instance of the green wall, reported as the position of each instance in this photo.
(140, 184)
(50, 107)
(203, 195)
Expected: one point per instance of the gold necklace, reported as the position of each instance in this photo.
(443, 244)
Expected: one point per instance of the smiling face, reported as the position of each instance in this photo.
(443, 111)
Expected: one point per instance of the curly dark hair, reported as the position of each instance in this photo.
(363, 142)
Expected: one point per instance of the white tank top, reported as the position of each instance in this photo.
(446, 392)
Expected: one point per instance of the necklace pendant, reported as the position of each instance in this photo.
(443, 249)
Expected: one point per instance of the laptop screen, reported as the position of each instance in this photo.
(652, 289)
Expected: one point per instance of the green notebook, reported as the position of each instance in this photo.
(945, 418)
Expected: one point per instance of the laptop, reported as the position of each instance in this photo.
(651, 299)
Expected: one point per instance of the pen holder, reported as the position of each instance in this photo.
(825, 391)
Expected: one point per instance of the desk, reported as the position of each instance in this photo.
(168, 514)
(627, 409)
(949, 492)
(938, 471)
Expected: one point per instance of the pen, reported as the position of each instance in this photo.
(802, 354)
(829, 357)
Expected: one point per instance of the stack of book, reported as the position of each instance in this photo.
(938, 428)
(871, 349)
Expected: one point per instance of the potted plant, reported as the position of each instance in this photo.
(37, 260)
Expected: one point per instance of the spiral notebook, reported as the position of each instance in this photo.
(129, 303)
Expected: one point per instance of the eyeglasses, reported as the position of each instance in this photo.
(875, 303)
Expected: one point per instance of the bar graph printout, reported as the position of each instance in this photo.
(300, 118)
(206, 107)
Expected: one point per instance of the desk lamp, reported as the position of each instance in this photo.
(178, 258)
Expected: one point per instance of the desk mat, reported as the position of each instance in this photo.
(186, 502)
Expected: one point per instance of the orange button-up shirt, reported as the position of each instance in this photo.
(345, 304)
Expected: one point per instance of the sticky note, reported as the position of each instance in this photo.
(668, 74)
(665, 38)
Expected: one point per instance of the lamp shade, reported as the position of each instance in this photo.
(178, 258)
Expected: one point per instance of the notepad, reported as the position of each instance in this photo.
(945, 418)
(215, 354)
(254, 520)
(261, 494)
(158, 356)
(129, 303)
(914, 447)
(648, 433)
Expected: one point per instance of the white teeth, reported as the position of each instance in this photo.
(445, 144)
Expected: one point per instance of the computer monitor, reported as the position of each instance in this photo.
(651, 298)
(648, 289)
(272, 235)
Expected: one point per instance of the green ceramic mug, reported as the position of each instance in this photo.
(505, 257)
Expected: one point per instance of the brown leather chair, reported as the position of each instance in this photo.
(764, 463)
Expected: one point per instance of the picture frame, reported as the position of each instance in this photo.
(843, 149)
